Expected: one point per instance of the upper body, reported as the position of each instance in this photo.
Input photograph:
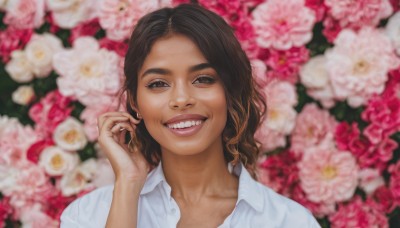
(190, 87)
(256, 206)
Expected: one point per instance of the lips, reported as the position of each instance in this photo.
(186, 124)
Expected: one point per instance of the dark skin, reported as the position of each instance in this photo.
(194, 165)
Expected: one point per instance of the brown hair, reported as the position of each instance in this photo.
(217, 42)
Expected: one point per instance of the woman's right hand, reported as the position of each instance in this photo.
(129, 166)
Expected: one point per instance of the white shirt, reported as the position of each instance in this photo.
(257, 206)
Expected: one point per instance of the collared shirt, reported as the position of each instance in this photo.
(256, 206)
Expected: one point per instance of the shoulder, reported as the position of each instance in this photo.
(90, 210)
(284, 211)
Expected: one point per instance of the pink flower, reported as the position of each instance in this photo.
(34, 151)
(384, 197)
(13, 39)
(56, 203)
(279, 171)
(328, 175)
(118, 47)
(34, 217)
(88, 73)
(224, 8)
(25, 14)
(88, 28)
(245, 33)
(5, 210)
(285, 65)
(268, 138)
(370, 180)
(49, 112)
(319, 8)
(394, 183)
(358, 64)
(356, 14)
(259, 70)
(118, 17)
(313, 127)
(283, 24)
(331, 29)
(357, 213)
(319, 210)
(345, 134)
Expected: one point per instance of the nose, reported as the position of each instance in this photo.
(181, 98)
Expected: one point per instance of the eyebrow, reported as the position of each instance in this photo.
(163, 71)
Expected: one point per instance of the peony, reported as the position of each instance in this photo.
(313, 74)
(357, 213)
(259, 70)
(313, 127)
(358, 64)
(13, 39)
(39, 52)
(19, 68)
(69, 135)
(356, 14)
(118, 17)
(89, 73)
(68, 14)
(57, 161)
(285, 65)
(393, 31)
(328, 175)
(23, 95)
(25, 14)
(283, 24)
(34, 217)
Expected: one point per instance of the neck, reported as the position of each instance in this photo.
(193, 177)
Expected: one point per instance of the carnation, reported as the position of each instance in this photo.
(87, 72)
(358, 64)
(356, 14)
(328, 175)
(119, 17)
(70, 135)
(283, 24)
(313, 127)
(25, 14)
(357, 213)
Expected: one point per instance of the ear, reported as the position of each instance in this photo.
(132, 102)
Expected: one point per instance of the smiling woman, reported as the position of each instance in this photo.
(193, 109)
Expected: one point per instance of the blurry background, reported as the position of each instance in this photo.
(330, 70)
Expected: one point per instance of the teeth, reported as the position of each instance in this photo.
(185, 124)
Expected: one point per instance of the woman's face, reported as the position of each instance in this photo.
(181, 97)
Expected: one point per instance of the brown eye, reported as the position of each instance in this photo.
(204, 80)
(157, 84)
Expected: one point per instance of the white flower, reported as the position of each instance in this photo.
(78, 179)
(393, 31)
(70, 135)
(68, 14)
(19, 67)
(313, 74)
(281, 119)
(39, 52)
(57, 161)
(8, 179)
(23, 95)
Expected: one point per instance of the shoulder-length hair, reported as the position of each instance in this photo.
(216, 40)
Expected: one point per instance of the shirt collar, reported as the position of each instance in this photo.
(249, 190)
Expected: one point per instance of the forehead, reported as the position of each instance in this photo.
(173, 50)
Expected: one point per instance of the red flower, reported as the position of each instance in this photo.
(36, 149)
(346, 134)
(13, 39)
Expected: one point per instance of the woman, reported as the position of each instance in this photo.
(193, 110)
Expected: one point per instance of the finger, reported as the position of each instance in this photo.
(110, 122)
(106, 115)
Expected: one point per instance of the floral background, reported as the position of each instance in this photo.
(330, 70)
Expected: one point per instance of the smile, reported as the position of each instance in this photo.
(185, 124)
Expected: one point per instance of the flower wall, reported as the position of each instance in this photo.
(330, 70)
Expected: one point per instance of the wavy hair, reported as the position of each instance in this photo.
(216, 40)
